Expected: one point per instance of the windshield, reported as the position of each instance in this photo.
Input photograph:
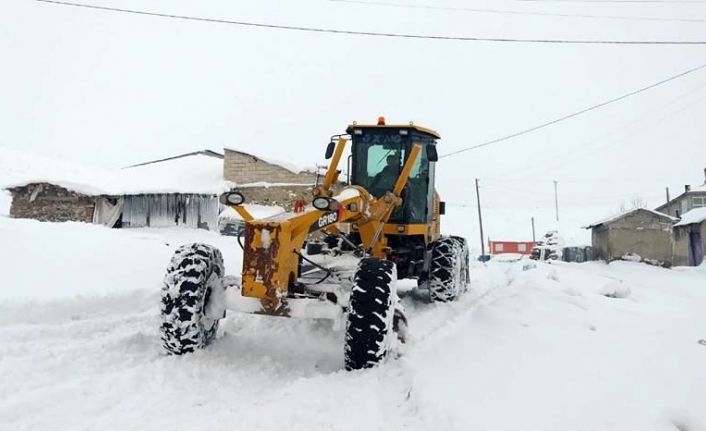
(378, 161)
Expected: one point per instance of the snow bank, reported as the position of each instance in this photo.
(197, 173)
(5, 201)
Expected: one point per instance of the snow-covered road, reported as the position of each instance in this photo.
(558, 347)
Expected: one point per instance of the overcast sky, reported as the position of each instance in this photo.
(115, 89)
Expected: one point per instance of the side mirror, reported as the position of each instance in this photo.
(442, 208)
(432, 155)
(329, 150)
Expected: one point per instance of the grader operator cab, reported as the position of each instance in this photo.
(380, 227)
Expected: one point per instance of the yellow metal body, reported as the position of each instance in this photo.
(272, 245)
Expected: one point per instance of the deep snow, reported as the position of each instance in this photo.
(561, 346)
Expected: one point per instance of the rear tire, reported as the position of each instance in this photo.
(194, 274)
(465, 258)
(448, 274)
(369, 329)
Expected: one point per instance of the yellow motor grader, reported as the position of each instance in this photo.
(383, 225)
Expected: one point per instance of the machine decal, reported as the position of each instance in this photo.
(328, 218)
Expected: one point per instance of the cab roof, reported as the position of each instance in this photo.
(410, 126)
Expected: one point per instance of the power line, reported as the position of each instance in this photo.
(516, 12)
(577, 113)
(379, 34)
(616, 1)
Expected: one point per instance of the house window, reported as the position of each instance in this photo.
(699, 201)
(522, 248)
(499, 247)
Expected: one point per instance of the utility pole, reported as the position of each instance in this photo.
(480, 221)
(533, 237)
(556, 201)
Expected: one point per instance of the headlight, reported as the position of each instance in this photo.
(232, 198)
(321, 203)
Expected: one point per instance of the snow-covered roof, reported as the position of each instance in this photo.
(198, 173)
(625, 213)
(291, 167)
(696, 215)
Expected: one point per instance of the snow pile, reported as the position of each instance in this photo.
(5, 201)
(19, 168)
(197, 173)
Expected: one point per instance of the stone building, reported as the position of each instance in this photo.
(267, 182)
(640, 231)
(690, 238)
(50, 202)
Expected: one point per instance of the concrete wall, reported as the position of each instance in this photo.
(681, 243)
(244, 168)
(47, 202)
(640, 232)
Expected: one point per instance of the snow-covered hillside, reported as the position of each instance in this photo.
(558, 347)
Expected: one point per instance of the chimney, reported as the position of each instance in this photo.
(687, 188)
(705, 176)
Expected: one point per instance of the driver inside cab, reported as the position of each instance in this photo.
(385, 180)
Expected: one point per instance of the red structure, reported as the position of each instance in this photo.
(520, 247)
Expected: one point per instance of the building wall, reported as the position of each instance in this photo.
(171, 209)
(283, 196)
(244, 168)
(682, 204)
(520, 247)
(681, 243)
(47, 202)
(642, 233)
(600, 243)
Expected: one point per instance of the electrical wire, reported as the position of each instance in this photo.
(577, 113)
(649, 121)
(616, 1)
(379, 34)
(516, 12)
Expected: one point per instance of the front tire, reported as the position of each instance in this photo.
(190, 284)
(370, 327)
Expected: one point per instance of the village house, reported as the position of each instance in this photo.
(693, 197)
(640, 231)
